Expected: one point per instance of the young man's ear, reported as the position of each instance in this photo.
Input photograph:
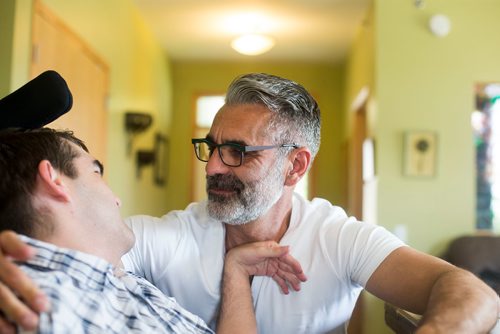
(49, 180)
(301, 158)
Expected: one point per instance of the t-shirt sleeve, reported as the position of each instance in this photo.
(356, 248)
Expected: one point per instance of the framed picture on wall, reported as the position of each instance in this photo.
(420, 153)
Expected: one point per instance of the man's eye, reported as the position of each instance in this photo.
(234, 151)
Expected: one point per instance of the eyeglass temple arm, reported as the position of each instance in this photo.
(260, 148)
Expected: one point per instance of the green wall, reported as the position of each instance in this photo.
(423, 82)
(15, 43)
(7, 11)
(139, 81)
(322, 80)
(427, 83)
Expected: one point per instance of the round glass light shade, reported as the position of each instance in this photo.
(252, 44)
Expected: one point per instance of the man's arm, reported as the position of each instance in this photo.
(17, 283)
(451, 300)
(256, 259)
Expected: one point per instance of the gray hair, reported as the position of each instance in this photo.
(296, 115)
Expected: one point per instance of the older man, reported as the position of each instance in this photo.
(52, 190)
(260, 145)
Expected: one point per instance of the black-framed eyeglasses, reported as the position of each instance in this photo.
(231, 154)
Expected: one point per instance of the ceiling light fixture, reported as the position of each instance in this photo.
(252, 44)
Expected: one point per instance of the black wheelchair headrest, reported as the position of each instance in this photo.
(37, 103)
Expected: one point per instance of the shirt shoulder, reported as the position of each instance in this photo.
(353, 249)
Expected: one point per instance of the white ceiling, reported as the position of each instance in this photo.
(304, 30)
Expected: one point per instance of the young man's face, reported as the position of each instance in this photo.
(238, 195)
(96, 206)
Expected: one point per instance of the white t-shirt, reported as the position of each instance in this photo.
(182, 254)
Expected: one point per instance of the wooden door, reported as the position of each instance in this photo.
(58, 48)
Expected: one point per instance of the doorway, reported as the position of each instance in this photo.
(358, 162)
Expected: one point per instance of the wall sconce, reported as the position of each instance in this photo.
(156, 157)
(136, 122)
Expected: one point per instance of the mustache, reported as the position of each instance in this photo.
(224, 182)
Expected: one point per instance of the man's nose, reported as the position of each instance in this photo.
(118, 202)
(215, 165)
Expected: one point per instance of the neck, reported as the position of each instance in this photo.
(70, 236)
(270, 226)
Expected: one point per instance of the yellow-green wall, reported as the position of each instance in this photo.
(15, 39)
(360, 70)
(139, 81)
(324, 81)
(427, 83)
(422, 82)
(6, 38)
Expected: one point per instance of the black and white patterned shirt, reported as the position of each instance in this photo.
(88, 295)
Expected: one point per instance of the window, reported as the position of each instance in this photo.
(206, 108)
(486, 128)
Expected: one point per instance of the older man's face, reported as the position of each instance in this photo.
(238, 195)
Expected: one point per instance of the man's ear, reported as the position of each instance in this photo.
(50, 181)
(300, 160)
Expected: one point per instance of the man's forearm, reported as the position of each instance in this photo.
(460, 303)
(236, 312)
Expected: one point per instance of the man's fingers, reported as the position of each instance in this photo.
(16, 311)
(5, 326)
(13, 247)
(291, 279)
(282, 284)
(268, 258)
(289, 264)
(14, 278)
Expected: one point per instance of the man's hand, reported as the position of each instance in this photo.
(267, 258)
(16, 288)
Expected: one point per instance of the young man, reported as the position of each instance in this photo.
(261, 143)
(51, 189)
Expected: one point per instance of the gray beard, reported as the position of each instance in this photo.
(251, 200)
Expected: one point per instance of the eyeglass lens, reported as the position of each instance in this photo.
(230, 155)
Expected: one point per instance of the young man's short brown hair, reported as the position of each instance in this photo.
(20, 154)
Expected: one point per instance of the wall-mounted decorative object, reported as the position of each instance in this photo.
(420, 153)
(161, 149)
(157, 157)
(135, 123)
